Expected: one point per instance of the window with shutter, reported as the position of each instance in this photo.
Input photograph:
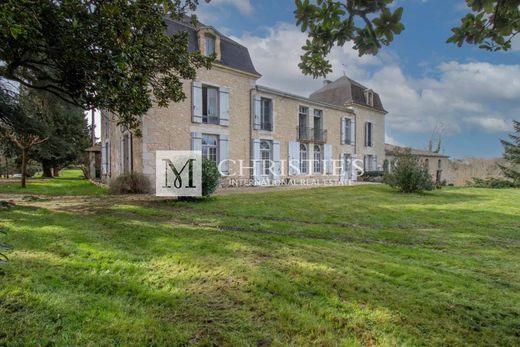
(210, 147)
(210, 105)
(303, 159)
(266, 114)
(368, 134)
(348, 131)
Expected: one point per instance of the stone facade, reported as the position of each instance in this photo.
(241, 133)
(438, 164)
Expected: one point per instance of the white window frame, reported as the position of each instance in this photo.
(210, 38)
(206, 147)
(263, 117)
(266, 147)
(317, 154)
(206, 117)
(304, 158)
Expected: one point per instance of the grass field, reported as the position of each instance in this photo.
(352, 266)
(71, 182)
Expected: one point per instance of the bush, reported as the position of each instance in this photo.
(492, 182)
(133, 183)
(408, 174)
(373, 176)
(210, 177)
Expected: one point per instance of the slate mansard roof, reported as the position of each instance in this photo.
(345, 90)
(233, 54)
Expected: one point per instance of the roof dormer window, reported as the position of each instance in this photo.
(209, 45)
(369, 97)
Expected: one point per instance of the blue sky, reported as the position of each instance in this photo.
(469, 95)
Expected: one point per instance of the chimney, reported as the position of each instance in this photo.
(326, 82)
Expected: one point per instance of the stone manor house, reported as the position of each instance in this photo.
(228, 116)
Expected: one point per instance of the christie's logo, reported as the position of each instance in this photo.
(179, 173)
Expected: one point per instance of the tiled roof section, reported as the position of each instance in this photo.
(234, 55)
(345, 90)
(391, 149)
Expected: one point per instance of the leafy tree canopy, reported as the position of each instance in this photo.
(112, 55)
(371, 24)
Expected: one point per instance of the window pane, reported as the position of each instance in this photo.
(317, 159)
(266, 112)
(210, 147)
(303, 159)
(210, 45)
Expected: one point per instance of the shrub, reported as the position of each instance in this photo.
(372, 176)
(492, 182)
(210, 177)
(408, 174)
(133, 183)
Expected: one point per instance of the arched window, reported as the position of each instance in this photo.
(427, 163)
(439, 164)
(265, 156)
(317, 159)
(304, 167)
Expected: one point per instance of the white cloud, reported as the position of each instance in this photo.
(277, 54)
(474, 95)
(489, 124)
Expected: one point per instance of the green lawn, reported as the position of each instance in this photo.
(351, 266)
(71, 182)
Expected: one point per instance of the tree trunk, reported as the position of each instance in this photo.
(47, 170)
(6, 167)
(24, 166)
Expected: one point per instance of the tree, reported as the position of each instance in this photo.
(512, 155)
(112, 55)
(371, 24)
(68, 133)
(21, 125)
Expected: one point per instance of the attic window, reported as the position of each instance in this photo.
(210, 45)
(369, 97)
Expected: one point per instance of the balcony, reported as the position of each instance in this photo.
(320, 135)
(304, 134)
(315, 135)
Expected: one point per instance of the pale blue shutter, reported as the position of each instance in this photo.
(327, 155)
(255, 162)
(257, 112)
(276, 160)
(224, 106)
(109, 160)
(343, 135)
(353, 132)
(294, 158)
(103, 159)
(196, 96)
(196, 141)
(223, 143)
